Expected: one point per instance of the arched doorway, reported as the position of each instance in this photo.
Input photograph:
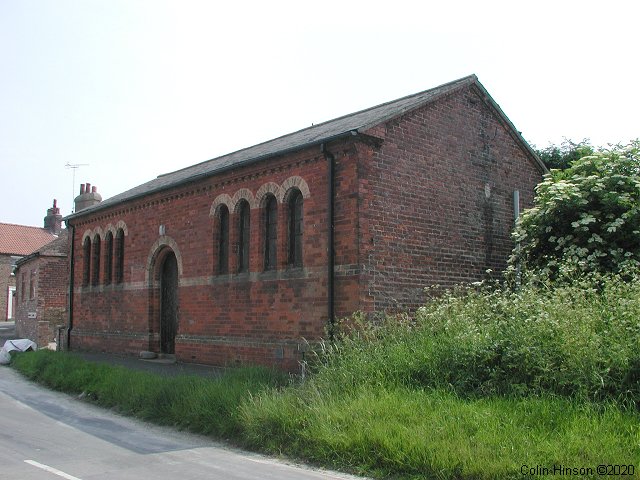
(168, 303)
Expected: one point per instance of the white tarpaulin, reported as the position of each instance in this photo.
(19, 345)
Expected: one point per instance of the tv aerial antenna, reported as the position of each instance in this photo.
(74, 167)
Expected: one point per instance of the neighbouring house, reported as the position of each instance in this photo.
(16, 241)
(41, 296)
(246, 257)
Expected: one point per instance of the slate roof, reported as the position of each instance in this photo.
(22, 240)
(347, 125)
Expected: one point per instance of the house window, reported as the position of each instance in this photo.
(32, 285)
(86, 258)
(295, 229)
(270, 233)
(243, 236)
(95, 260)
(23, 285)
(120, 256)
(223, 239)
(108, 257)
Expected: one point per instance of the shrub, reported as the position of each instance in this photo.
(585, 218)
(561, 156)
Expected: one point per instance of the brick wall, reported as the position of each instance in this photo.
(252, 317)
(26, 304)
(49, 301)
(438, 200)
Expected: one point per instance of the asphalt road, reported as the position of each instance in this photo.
(7, 332)
(46, 435)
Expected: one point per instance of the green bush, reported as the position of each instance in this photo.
(585, 218)
(563, 155)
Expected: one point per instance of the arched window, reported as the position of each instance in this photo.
(270, 233)
(244, 224)
(223, 240)
(95, 261)
(295, 229)
(108, 257)
(119, 256)
(86, 266)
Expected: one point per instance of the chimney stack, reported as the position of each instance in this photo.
(88, 197)
(53, 220)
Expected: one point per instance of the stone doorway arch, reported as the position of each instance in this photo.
(164, 269)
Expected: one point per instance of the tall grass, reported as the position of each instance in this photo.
(202, 405)
(410, 433)
(580, 341)
(477, 384)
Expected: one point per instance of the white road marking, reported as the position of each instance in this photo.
(55, 471)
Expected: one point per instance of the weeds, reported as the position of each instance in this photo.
(578, 341)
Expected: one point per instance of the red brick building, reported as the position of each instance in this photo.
(16, 241)
(41, 295)
(243, 257)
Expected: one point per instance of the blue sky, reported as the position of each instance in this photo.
(137, 88)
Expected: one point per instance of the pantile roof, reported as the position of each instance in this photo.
(22, 240)
(55, 248)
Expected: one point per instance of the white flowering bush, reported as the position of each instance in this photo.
(585, 218)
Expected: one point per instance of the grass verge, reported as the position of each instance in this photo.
(201, 405)
(434, 434)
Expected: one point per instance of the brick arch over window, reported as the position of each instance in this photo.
(243, 194)
(222, 199)
(292, 183)
(87, 234)
(114, 228)
(156, 250)
(267, 190)
(98, 231)
(110, 229)
(122, 226)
